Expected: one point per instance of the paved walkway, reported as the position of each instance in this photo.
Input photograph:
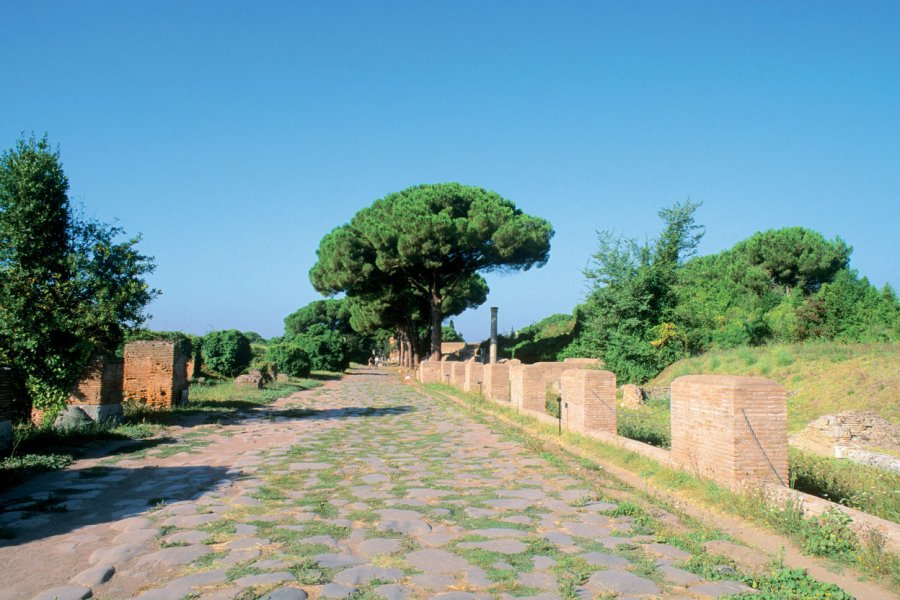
(366, 488)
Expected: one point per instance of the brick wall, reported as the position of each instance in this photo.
(528, 384)
(588, 400)
(155, 373)
(446, 367)
(474, 375)
(495, 382)
(731, 429)
(100, 383)
(7, 412)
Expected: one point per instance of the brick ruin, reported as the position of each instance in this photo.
(97, 396)
(731, 429)
(588, 400)
(155, 374)
(474, 376)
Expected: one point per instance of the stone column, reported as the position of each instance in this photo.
(493, 357)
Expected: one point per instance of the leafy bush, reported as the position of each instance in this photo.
(325, 347)
(792, 584)
(290, 358)
(829, 534)
(226, 352)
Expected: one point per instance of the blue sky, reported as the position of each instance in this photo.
(234, 135)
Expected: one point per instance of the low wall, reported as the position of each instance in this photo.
(429, 371)
(588, 400)
(495, 382)
(731, 429)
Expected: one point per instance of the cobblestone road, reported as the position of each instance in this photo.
(367, 488)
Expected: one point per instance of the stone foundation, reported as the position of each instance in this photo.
(731, 429)
(588, 401)
(155, 374)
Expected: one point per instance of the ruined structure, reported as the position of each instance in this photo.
(588, 401)
(97, 396)
(155, 374)
(731, 429)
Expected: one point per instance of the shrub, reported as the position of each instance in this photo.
(325, 347)
(226, 352)
(829, 534)
(290, 359)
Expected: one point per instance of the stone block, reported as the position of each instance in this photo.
(473, 378)
(632, 395)
(732, 430)
(588, 400)
(249, 380)
(155, 373)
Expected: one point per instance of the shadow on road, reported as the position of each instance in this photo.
(63, 501)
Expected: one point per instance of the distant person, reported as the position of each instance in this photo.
(371, 362)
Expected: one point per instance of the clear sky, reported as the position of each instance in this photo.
(234, 135)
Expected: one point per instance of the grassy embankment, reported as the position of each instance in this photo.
(37, 449)
(821, 379)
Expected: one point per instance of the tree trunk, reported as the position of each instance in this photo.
(436, 319)
(400, 348)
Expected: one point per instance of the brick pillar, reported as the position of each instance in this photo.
(429, 371)
(7, 412)
(474, 376)
(155, 373)
(457, 374)
(528, 384)
(446, 366)
(732, 430)
(97, 396)
(495, 382)
(588, 400)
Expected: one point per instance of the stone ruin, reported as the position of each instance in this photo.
(862, 437)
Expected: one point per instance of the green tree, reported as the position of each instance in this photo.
(430, 238)
(68, 287)
(626, 319)
(331, 320)
(450, 334)
(227, 352)
(290, 358)
(795, 256)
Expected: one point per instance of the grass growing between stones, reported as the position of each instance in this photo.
(868, 555)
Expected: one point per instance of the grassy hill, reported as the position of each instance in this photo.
(821, 378)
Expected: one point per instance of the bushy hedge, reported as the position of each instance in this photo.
(226, 352)
(290, 359)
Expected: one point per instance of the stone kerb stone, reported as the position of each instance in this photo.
(528, 384)
(474, 376)
(155, 373)
(732, 430)
(457, 374)
(588, 400)
(97, 396)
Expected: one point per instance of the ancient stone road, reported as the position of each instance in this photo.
(366, 488)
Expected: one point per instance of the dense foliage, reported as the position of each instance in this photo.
(289, 358)
(323, 330)
(450, 334)
(226, 352)
(69, 287)
(422, 245)
(650, 306)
